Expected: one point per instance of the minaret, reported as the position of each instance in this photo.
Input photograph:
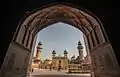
(39, 50)
(80, 51)
(65, 53)
(53, 53)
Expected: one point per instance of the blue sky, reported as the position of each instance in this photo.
(58, 37)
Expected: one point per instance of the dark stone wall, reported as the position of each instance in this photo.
(108, 13)
(104, 63)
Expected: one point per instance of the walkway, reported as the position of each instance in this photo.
(55, 73)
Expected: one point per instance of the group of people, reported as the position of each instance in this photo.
(59, 68)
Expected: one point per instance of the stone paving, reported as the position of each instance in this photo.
(55, 73)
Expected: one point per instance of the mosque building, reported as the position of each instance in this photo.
(60, 62)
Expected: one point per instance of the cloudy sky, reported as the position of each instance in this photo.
(58, 37)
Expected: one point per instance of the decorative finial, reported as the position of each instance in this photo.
(40, 43)
(79, 43)
(65, 52)
(53, 52)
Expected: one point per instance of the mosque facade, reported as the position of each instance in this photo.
(61, 62)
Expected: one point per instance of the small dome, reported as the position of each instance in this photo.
(40, 43)
(79, 43)
(53, 52)
(65, 52)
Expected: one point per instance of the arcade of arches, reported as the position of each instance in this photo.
(18, 57)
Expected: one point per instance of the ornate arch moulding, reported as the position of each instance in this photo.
(60, 12)
(80, 18)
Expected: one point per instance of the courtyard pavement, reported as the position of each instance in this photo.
(55, 73)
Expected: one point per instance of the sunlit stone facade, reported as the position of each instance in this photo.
(36, 61)
(60, 61)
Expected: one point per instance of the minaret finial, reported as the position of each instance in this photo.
(53, 53)
(65, 53)
(79, 43)
(40, 43)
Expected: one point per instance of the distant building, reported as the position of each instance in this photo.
(46, 64)
(76, 64)
(80, 64)
(79, 59)
(59, 62)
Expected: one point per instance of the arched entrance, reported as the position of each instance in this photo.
(103, 59)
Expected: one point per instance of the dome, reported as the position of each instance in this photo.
(65, 52)
(79, 43)
(53, 52)
(40, 43)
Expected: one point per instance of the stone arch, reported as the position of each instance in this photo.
(61, 13)
(96, 38)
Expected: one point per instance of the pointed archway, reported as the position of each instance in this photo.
(103, 59)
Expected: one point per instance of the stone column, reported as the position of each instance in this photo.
(103, 61)
(16, 61)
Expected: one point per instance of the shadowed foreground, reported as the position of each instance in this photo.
(58, 76)
(54, 73)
